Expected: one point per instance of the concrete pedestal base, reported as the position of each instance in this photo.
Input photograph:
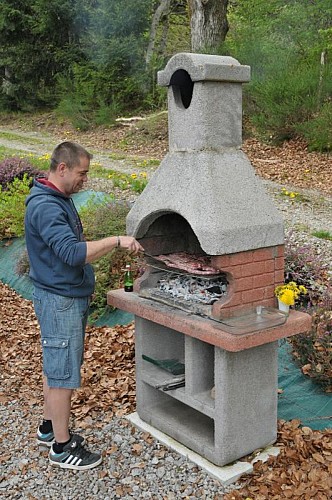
(226, 475)
(227, 407)
(238, 417)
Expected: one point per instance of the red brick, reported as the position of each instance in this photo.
(253, 295)
(264, 254)
(263, 280)
(269, 266)
(229, 312)
(244, 283)
(269, 291)
(235, 272)
(220, 261)
(236, 299)
(279, 277)
(266, 303)
(280, 263)
(251, 269)
(239, 258)
(232, 301)
(280, 250)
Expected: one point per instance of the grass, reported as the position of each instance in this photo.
(323, 235)
(293, 195)
(97, 170)
(135, 182)
(10, 136)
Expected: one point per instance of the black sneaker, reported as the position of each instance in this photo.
(47, 439)
(74, 456)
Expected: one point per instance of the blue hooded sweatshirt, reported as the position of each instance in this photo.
(55, 244)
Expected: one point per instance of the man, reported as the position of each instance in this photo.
(63, 283)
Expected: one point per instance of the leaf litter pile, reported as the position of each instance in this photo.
(108, 374)
(302, 470)
(291, 164)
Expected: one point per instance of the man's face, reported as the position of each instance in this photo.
(74, 178)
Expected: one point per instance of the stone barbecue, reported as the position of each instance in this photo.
(214, 245)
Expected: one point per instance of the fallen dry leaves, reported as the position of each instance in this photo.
(108, 375)
(291, 164)
(303, 469)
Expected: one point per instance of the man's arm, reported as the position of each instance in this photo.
(97, 249)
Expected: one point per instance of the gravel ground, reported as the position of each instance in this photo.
(313, 212)
(135, 465)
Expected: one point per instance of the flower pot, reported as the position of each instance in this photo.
(283, 307)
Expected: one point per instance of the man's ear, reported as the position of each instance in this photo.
(62, 167)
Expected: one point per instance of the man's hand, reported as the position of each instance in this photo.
(130, 244)
(97, 249)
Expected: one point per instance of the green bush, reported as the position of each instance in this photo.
(282, 42)
(89, 98)
(12, 207)
(101, 220)
(318, 131)
(284, 99)
(134, 182)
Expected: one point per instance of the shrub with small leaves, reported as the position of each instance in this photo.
(313, 350)
(101, 219)
(12, 207)
(16, 168)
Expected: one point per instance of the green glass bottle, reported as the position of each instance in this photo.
(128, 279)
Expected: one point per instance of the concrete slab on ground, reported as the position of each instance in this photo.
(226, 475)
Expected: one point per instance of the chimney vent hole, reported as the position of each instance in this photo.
(183, 87)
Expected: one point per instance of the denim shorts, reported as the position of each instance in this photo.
(62, 323)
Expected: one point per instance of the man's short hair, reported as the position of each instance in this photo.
(69, 153)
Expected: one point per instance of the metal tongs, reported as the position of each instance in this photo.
(170, 384)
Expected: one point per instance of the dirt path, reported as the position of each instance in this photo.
(36, 143)
(124, 146)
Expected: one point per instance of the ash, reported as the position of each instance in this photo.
(192, 288)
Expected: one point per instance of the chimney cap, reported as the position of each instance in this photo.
(205, 67)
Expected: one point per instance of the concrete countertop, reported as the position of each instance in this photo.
(205, 329)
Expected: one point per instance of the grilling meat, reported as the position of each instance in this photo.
(195, 264)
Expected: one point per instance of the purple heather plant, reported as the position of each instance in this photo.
(15, 167)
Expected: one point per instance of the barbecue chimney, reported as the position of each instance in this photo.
(205, 180)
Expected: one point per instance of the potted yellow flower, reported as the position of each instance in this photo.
(287, 294)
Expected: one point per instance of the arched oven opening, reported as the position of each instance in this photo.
(179, 273)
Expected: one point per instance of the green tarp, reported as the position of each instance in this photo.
(301, 397)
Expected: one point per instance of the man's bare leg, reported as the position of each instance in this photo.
(57, 406)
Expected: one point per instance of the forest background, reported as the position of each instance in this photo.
(93, 60)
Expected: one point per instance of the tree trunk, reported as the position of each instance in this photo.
(209, 25)
(321, 73)
(161, 10)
